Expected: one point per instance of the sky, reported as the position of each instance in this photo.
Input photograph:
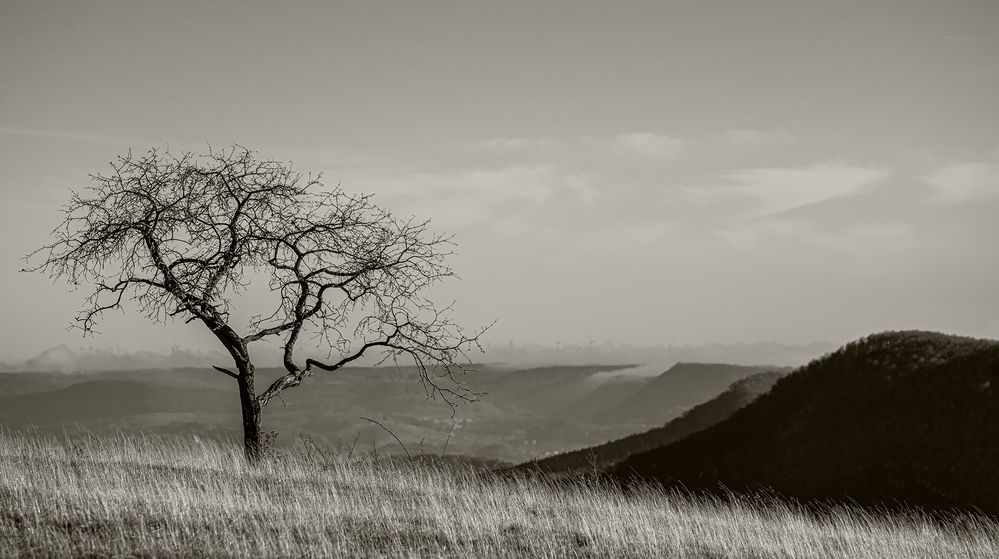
(633, 172)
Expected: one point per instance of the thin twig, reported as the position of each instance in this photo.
(390, 433)
(353, 445)
(443, 452)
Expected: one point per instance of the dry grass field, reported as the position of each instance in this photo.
(150, 497)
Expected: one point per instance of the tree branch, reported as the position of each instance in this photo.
(225, 371)
(295, 376)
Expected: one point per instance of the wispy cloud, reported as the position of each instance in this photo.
(645, 144)
(62, 135)
(589, 191)
(754, 139)
(508, 145)
(779, 189)
(547, 204)
(964, 181)
(649, 144)
(847, 238)
(494, 196)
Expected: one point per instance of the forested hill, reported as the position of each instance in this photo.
(675, 391)
(908, 417)
(702, 416)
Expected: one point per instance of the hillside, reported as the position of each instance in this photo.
(898, 416)
(26, 383)
(607, 394)
(110, 399)
(151, 496)
(513, 420)
(542, 390)
(739, 394)
(680, 388)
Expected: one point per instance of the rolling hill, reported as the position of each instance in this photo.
(542, 390)
(680, 388)
(898, 417)
(513, 421)
(103, 400)
(739, 394)
(605, 394)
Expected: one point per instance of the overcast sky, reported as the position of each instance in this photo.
(646, 172)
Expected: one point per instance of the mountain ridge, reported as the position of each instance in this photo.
(682, 386)
(895, 417)
(702, 416)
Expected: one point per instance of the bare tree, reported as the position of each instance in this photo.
(182, 236)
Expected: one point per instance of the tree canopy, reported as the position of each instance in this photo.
(182, 235)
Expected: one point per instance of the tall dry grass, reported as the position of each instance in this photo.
(149, 496)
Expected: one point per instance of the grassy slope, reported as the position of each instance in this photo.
(157, 497)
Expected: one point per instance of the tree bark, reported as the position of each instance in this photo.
(252, 442)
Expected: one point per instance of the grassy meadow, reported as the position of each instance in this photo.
(129, 496)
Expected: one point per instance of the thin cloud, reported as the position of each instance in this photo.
(964, 181)
(504, 145)
(528, 203)
(849, 238)
(747, 138)
(471, 196)
(649, 144)
(63, 135)
(774, 190)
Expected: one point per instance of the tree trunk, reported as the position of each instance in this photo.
(252, 442)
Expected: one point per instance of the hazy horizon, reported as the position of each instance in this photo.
(645, 173)
(641, 360)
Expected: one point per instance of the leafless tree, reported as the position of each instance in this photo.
(182, 236)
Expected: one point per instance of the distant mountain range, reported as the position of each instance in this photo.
(65, 359)
(521, 412)
(610, 353)
(895, 418)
